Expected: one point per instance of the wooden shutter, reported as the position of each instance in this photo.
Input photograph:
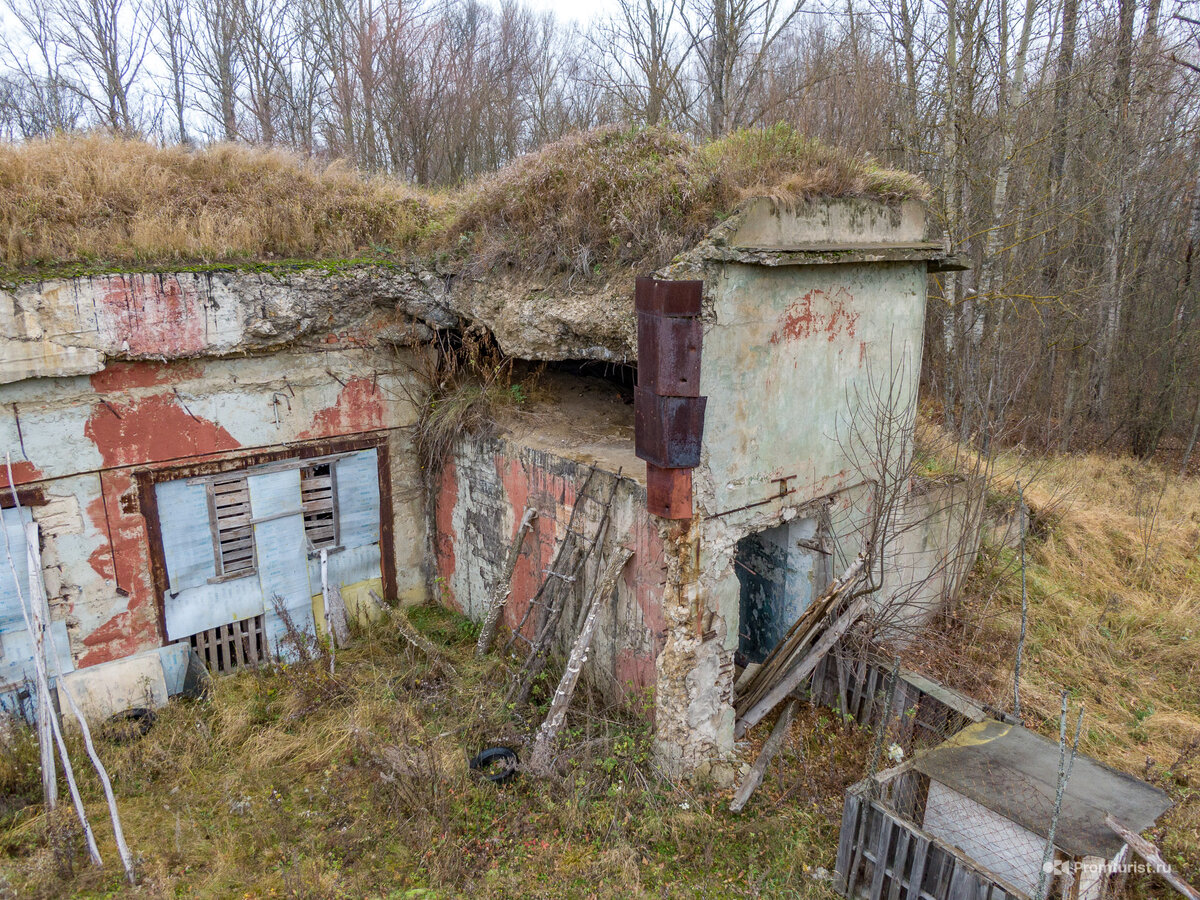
(233, 535)
(318, 497)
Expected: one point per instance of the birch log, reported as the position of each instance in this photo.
(410, 634)
(38, 590)
(1150, 854)
(540, 758)
(40, 616)
(42, 685)
(335, 607)
(501, 589)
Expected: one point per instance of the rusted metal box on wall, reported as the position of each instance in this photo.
(668, 408)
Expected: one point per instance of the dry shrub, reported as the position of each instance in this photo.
(594, 200)
(114, 200)
(635, 198)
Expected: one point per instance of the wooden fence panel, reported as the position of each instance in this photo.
(883, 857)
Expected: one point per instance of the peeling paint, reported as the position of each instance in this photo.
(152, 429)
(359, 407)
(122, 559)
(818, 313)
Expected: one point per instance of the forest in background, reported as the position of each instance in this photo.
(1062, 140)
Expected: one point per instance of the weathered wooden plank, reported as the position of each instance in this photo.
(916, 877)
(871, 702)
(320, 534)
(945, 870)
(313, 482)
(899, 860)
(963, 883)
(235, 542)
(883, 840)
(239, 653)
(851, 810)
(1150, 854)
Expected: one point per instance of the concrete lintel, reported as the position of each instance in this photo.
(932, 252)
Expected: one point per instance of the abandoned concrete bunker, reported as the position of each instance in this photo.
(205, 454)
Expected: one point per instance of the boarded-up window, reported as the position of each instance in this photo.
(233, 535)
(318, 495)
(229, 647)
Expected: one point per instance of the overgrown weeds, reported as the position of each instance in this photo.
(591, 204)
(1114, 586)
(465, 378)
(236, 795)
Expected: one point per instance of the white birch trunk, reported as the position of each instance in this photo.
(541, 757)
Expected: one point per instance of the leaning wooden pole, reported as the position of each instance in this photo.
(1150, 854)
(770, 749)
(501, 589)
(541, 757)
(805, 667)
(38, 599)
(42, 685)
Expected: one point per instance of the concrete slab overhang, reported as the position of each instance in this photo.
(931, 252)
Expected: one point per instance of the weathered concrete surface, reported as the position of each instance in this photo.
(931, 548)
(540, 319)
(71, 326)
(84, 438)
(484, 491)
(791, 355)
(762, 223)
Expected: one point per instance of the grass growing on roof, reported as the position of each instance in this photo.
(589, 205)
(117, 200)
(616, 197)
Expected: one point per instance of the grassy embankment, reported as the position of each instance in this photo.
(592, 203)
(1113, 575)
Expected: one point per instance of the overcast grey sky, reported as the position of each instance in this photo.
(580, 10)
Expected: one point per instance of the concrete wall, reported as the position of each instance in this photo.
(780, 571)
(790, 352)
(79, 441)
(485, 489)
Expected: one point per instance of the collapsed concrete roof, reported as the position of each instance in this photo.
(543, 254)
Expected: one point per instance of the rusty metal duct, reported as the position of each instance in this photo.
(668, 408)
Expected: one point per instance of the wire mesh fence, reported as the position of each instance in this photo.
(924, 825)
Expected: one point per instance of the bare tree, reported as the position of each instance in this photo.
(731, 40)
(643, 56)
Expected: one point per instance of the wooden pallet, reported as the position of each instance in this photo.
(233, 646)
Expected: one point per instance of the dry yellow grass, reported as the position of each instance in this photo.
(112, 200)
(292, 782)
(609, 197)
(1114, 596)
(636, 198)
